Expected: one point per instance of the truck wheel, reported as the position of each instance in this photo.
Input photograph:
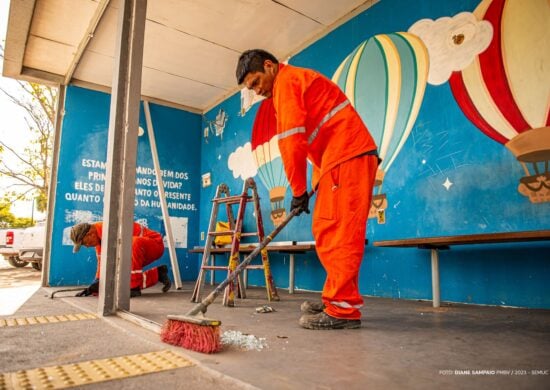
(17, 262)
(37, 266)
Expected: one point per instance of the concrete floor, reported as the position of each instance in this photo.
(401, 345)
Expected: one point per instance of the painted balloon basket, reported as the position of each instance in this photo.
(379, 201)
(532, 149)
(277, 200)
(506, 90)
(385, 78)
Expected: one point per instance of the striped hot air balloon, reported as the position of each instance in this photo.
(384, 78)
(505, 92)
(267, 156)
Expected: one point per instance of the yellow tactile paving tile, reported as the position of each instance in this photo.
(46, 319)
(93, 371)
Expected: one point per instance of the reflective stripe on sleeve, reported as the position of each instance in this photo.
(290, 132)
(325, 119)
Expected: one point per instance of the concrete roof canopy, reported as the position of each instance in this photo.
(191, 46)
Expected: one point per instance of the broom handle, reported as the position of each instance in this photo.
(201, 306)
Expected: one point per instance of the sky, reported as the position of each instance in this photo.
(13, 128)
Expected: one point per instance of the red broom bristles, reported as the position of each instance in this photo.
(199, 338)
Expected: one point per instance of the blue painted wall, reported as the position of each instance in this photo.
(443, 143)
(79, 195)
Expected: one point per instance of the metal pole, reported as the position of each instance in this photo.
(291, 275)
(164, 206)
(435, 278)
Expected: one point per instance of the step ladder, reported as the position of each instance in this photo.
(249, 194)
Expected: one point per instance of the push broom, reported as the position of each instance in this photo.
(194, 331)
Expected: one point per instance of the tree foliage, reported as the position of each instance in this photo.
(29, 170)
(7, 219)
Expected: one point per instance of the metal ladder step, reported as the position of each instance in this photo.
(225, 267)
(255, 267)
(232, 199)
(231, 232)
(215, 267)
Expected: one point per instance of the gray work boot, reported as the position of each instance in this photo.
(322, 321)
(311, 307)
(164, 278)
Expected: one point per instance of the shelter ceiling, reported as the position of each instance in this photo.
(191, 46)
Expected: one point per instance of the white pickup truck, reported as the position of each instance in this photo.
(23, 246)
(31, 245)
(8, 247)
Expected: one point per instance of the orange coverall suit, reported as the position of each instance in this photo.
(316, 121)
(147, 246)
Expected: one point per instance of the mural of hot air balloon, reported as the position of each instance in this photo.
(265, 150)
(384, 78)
(505, 92)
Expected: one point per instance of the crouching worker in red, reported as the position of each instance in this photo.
(147, 246)
(316, 121)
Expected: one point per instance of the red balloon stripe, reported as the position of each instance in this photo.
(265, 124)
(469, 109)
(494, 74)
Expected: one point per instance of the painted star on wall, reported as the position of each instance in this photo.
(447, 184)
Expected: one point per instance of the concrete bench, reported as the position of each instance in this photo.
(434, 244)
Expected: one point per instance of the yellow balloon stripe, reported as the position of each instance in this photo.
(352, 74)
(481, 9)
(338, 72)
(393, 67)
(422, 69)
(525, 31)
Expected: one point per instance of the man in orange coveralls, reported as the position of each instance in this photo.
(147, 246)
(316, 121)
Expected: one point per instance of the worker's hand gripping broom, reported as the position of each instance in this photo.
(195, 332)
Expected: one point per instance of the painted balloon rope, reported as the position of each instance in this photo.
(542, 179)
(380, 198)
(525, 169)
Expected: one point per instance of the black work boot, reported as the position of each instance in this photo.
(312, 307)
(164, 278)
(135, 292)
(323, 321)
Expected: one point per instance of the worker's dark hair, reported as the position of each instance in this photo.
(252, 61)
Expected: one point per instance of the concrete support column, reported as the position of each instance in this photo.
(52, 185)
(118, 211)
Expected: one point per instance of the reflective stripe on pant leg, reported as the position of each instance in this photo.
(339, 225)
(150, 277)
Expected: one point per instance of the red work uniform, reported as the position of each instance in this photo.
(316, 121)
(147, 246)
